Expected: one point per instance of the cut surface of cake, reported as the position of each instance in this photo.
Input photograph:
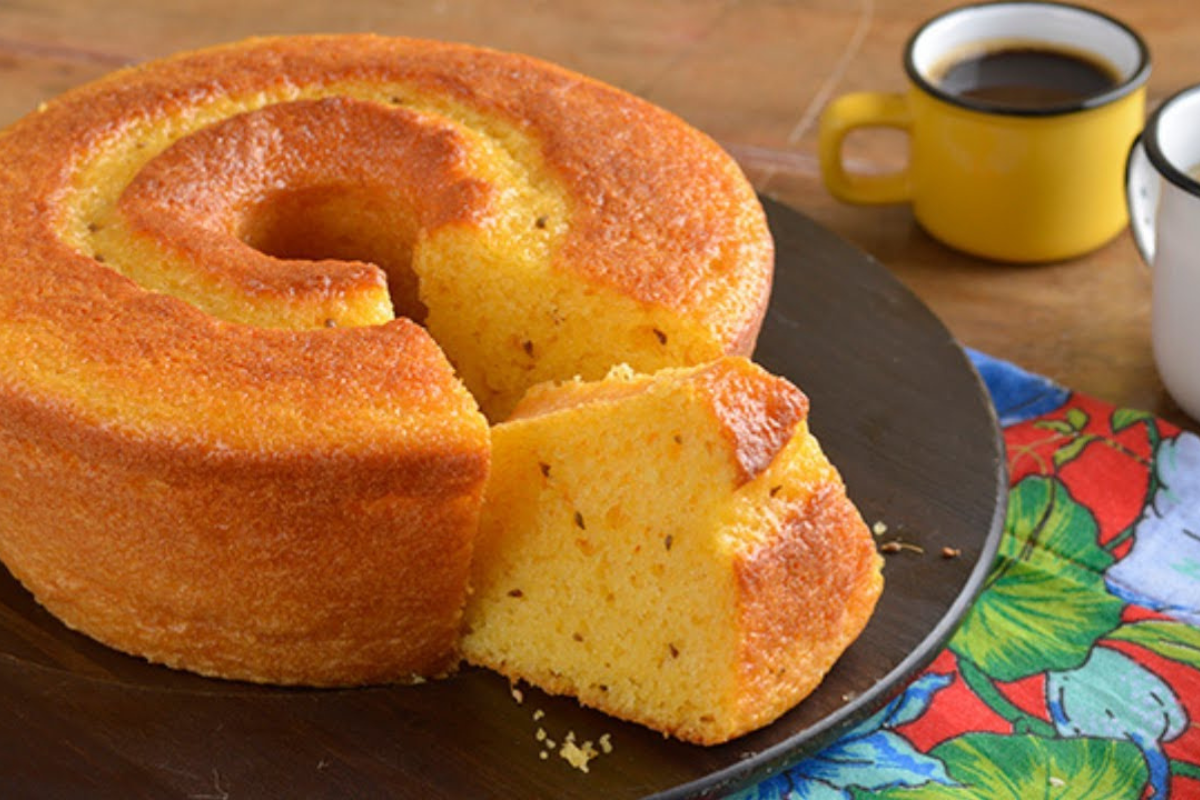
(673, 549)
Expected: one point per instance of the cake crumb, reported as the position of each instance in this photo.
(517, 694)
(951, 552)
(879, 528)
(578, 755)
(896, 546)
(1057, 782)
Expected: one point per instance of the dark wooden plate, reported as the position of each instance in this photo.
(897, 406)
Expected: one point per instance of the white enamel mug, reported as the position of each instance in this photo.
(1163, 193)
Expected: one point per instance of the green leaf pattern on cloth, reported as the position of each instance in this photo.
(1173, 640)
(994, 767)
(1047, 579)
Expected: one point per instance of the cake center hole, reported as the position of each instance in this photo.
(342, 223)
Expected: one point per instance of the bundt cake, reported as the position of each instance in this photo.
(228, 441)
(673, 549)
(511, 207)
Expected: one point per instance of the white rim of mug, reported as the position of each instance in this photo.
(1136, 77)
(1150, 141)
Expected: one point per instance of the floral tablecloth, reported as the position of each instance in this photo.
(1077, 672)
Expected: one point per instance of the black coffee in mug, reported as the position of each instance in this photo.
(1026, 76)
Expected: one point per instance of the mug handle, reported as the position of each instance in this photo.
(1142, 192)
(862, 110)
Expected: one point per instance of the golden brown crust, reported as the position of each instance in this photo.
(806, 595)
(294, 559)
(658, 181)
(296, 570)
(231, 198)
(758, 412)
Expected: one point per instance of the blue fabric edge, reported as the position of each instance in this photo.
(1016, 393)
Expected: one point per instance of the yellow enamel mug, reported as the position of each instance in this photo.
(1004, 182)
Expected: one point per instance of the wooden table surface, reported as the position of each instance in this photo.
(754, 74)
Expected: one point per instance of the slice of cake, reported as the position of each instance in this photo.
(673, 549)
